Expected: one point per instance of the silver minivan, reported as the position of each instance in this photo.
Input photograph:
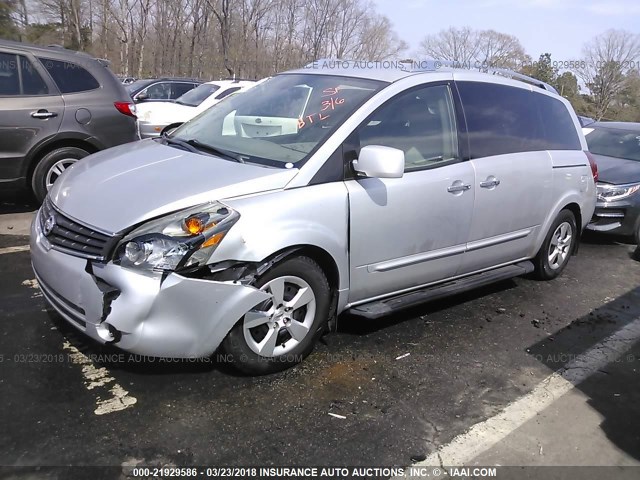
(327, 189)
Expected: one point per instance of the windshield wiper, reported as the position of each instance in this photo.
(197, 146)
(213, 150)
(180, 143)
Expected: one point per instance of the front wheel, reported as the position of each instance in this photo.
(557, 247)
(282, 331)
(51, 166)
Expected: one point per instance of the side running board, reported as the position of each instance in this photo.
(381, 308)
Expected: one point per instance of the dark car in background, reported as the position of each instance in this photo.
(56, 107)
(126, 80)
(584, 121)
(164, 89)
(616, 148)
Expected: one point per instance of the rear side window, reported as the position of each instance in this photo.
(70, 77)
(159, 91)
(559, 129)
(9, 76)
(500, 119)
(13, 68)
(180, 89)
(228, 91)
(32, 82)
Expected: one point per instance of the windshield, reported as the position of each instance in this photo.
(195, 97)
(615, 143)
(280, 121)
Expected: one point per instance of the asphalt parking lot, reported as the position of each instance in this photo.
(398, 388)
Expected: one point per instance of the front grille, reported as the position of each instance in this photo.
(70, 236)
(61, 304)
(609, 213)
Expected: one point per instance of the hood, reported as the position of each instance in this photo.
(617, 170)
(122, 186)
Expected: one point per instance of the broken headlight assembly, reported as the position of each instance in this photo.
(176, 241)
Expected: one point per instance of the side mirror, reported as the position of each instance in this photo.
(378, 161)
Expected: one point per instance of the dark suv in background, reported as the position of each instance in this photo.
(164, 89)
(56, 107)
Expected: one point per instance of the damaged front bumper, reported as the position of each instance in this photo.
(163, 316)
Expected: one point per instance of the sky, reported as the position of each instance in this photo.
(560, 27)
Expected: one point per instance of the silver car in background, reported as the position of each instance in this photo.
(319, 191)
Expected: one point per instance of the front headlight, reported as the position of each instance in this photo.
(611, 193)
(183, 239)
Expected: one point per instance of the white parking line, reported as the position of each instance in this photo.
(482, 436)
(19, 248)
(99, 378)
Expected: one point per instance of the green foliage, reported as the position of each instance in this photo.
(625, 104)
(543, 69)
(44, 33)
(8, 27)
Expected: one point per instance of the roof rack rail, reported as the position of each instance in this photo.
(524, 78)
(433, 65)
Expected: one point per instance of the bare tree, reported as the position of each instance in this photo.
(223, 12)
(497, 49)
(474, 48)
(378, 40)
(143, 16)
(606, 61)
(215, 38)
(458, 45)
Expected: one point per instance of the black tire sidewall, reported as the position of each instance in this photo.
(245, 359)
(45, 164)
(543, 269)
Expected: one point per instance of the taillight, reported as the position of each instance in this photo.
(126, 108)
(594, 165)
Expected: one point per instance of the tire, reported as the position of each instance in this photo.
(262, 341)
(557, 247)
(51, 166)
(636, 253)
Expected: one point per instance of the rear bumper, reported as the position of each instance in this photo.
(150, 130)
(174, 317)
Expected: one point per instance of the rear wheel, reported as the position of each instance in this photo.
(282, 331)
(51, 166)
(557, 247)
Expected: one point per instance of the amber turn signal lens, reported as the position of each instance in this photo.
(194, 225)
(213, 240)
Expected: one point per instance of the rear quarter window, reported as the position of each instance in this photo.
(69, 77)
(559, 130)
(227, 92)
(500, 119)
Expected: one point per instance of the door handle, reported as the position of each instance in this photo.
(43, 114)
(490, 183)
(458, 187)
